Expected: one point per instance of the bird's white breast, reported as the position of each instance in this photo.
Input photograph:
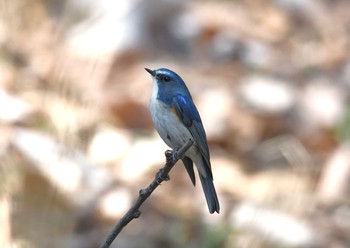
(166, 122)
(171, 129)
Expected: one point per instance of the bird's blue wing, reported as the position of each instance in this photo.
(188, 113)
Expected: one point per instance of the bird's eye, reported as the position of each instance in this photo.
(166, 79)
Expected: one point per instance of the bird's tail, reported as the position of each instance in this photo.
(210, 194)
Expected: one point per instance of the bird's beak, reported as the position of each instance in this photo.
(153, 73)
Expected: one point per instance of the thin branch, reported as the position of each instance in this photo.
(162, 175)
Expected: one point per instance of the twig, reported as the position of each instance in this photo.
(162, 175)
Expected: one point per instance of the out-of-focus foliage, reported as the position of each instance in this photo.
(343, 129)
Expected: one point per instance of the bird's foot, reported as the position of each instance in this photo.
(171, 156)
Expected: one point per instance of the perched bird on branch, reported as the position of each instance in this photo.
(177, 120)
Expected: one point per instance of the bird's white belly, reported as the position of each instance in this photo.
(169, 126)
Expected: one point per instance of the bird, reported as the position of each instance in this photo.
(176, 119)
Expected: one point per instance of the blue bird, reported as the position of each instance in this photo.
(177, 120)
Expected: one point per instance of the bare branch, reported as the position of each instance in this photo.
(162, 175)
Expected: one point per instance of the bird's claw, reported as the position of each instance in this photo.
(171, 156)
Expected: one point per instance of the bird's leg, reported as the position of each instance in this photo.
(171, 156)
(169, 160)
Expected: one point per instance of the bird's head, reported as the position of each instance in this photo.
(167, 84)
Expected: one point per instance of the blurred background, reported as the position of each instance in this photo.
(271, 79)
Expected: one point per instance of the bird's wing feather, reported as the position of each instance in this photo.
(189, 115)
